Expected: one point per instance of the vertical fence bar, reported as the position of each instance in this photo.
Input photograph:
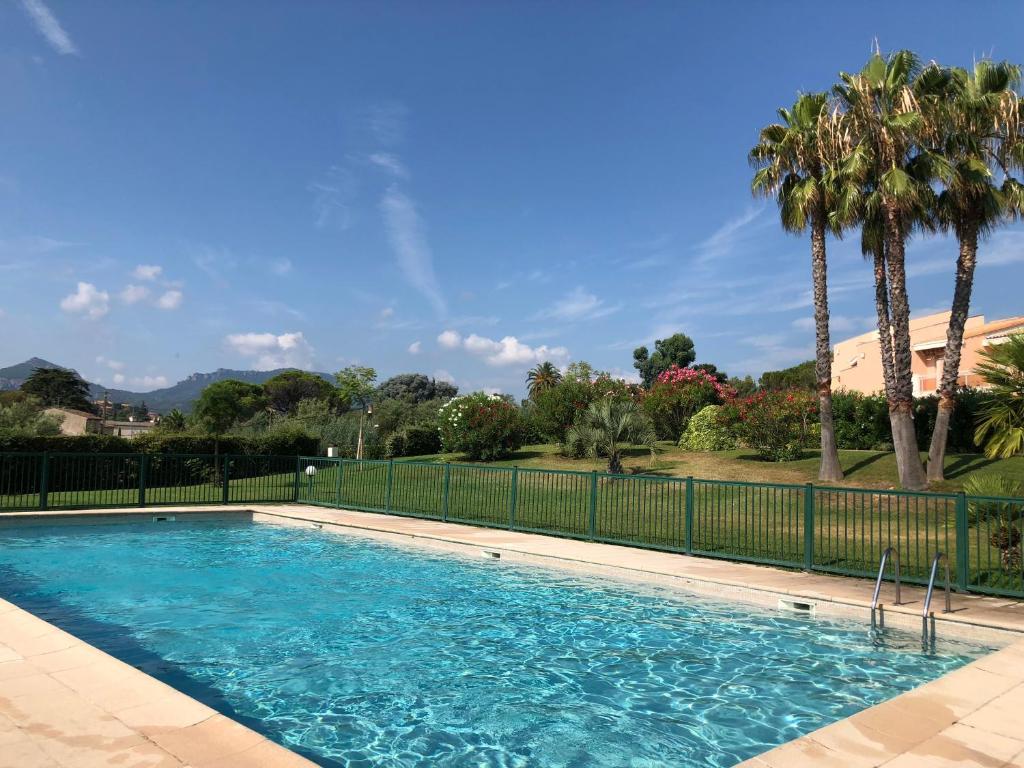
(339, 469)
(512, 499)
(298, 473)
(387, 485)
(962, 542)
(226, 477)
(445, 484)
(688, 536)
(44, 482)
(809, 527)
(143, 467)
(592, 518)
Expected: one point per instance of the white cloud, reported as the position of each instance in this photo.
(170, 300)
(442, 375)
(48, 26)
(115, 365)
(149, 382)
(386, 121)
(281, 267)
(387, 312)
(119, 378)
(88, 300)
(449, 339)
(332, 198)
(405, 231)
(390, 163)
(132, 294)
(578, 304)
(147, 272)
(415, 348)
(269, 351)
(510, 351)
(727, 237)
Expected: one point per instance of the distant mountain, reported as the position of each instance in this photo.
(180, 395)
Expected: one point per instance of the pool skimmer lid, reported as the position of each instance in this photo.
(796, 606)
(490, 554)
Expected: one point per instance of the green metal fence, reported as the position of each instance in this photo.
(816, 528)
(831, 530)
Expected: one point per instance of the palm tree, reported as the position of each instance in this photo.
(980, 130)
(606, 425)
(543, 377)
(1001, 424)
(793, 166)
(886, 122)
(174, 421)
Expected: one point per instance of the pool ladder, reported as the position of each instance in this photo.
(877, 614)
(928, 629)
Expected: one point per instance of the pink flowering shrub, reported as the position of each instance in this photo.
(777, 424)
(677, 394)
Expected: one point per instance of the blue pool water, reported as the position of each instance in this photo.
(358, 653)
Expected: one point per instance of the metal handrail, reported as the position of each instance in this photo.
(878, 582)
(928, 596)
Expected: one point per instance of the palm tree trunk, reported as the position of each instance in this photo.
(965, 264)
(884, 323)
(901, 400)
(829, 470)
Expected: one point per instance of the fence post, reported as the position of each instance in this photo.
(809, 527)
(962, 558)
(592, 523)
(143, 466)
(227, 476)
(387, 490)
(337, 483)
(688, 545)
(444, 491)
(512, 499)
(44, 481)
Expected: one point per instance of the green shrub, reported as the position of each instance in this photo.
(861, 421)
(484, 427)
(556, 408)
(776, 424)
(707, 432)
(414, 440)
(278, 443)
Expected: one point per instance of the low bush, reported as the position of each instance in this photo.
(706, 431)
(484, 427)
(276, 443)
(414, 440)
(776, 424)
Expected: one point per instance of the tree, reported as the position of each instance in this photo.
(26, 417)
(1001, 424)
(581, 370)
(58, 388)
(793, 164)
(356, 385)
(141, 412)
(720, 376)
(606, 425)
(415, 388)
(285, 390)
(174, 421)
(887, 126)
(743, 387)
(677, 349)
(225, 403)
(542, 378)
(801, 376)
(978, 135)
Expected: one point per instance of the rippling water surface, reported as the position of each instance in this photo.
(358, 653)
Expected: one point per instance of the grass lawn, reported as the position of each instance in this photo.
(864, 469)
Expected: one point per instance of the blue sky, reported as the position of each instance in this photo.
(453, 188)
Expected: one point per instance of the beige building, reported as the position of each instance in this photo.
(81, 423)
(857, 362)
(76, 422)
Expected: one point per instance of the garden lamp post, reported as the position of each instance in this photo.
(368, 411)
(310, 474)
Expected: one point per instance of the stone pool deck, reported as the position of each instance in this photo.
(66, 704)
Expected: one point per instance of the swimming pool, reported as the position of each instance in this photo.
(355, 652)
